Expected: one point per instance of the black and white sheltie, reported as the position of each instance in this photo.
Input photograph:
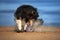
(25, 15)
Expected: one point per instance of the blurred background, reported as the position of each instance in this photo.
(49, 11)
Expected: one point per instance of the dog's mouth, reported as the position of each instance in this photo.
(27, 20)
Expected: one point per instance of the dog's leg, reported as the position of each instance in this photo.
(31, 25)
(31, 22)
(25, 26)
(19, 24)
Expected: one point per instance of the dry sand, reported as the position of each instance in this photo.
(7, 33)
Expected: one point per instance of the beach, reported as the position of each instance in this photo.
(46, 33)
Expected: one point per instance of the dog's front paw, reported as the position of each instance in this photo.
(19, 31)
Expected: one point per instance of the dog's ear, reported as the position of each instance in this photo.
(36, 12)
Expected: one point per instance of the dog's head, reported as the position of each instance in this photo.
(26, 12)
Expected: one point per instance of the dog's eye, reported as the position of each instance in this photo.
(33, 12)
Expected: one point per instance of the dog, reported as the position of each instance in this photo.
(25, 14)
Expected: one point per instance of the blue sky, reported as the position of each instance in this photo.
(49, 10)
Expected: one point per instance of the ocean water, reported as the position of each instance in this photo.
(49, 11)
(7, 19)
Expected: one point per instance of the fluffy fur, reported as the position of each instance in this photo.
(25, 14)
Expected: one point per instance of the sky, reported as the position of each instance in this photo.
(49, 11)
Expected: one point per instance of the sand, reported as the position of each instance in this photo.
(8, 33)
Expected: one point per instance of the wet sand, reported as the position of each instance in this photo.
(8, 33)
